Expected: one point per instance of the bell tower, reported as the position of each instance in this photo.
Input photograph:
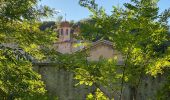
(64, 44)
(64, 31)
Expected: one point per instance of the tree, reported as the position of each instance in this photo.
(21, 41)
(137, 31)
(47, 25)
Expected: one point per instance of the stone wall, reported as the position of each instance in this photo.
(61, 83)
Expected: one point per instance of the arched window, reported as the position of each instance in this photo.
(66, 31)
(61, 31)
(72, 31)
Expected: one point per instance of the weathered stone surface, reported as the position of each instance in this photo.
(61, 83)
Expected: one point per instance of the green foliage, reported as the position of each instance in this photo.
(47, 24)
(163, 94)
(137, 31)
(17, 77)
(21, 41)
(39, 97)
(100, 74)
(97, 96)
(23, 9)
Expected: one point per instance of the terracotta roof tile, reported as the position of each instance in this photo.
(65, 24)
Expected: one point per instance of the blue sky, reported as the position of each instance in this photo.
(75, 12)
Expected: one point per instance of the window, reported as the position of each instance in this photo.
(72, 31)
(66, 31)
(61, 31)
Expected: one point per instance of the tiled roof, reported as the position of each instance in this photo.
(65, 24)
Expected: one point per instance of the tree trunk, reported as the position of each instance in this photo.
(133, 93)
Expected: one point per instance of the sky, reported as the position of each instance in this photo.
(75, 12)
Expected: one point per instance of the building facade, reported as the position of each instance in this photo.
(61, 83)
(67, 44)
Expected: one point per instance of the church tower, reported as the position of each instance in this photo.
(64, 40)
(64, 31)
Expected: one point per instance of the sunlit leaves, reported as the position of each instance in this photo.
(22, 9)
(157, 66)
(84, 77)
(21, 41)
(17, 76)
(99, 95)
(139, 33)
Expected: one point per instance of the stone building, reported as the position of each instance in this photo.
(61, 83)
(66, 44)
